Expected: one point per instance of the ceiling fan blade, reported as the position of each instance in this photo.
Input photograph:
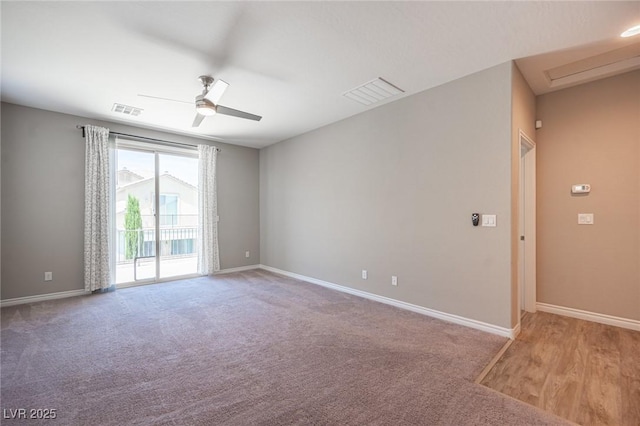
(234, 112)
(215, 93)
(165, 99)
(198, 120)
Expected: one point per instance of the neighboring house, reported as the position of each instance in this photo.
(126, 176)
(178, 212)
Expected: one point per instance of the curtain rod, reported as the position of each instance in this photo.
(145, 139)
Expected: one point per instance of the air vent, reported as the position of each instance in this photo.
(126, 109)
(373, 91)
(606, 64)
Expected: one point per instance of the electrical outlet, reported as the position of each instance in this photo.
(48, 276)
(394, 280)
(364, 274)
(247, 254)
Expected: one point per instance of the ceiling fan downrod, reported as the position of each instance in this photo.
(206, 81)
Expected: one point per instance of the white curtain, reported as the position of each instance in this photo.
(208, 253)
(97, 188)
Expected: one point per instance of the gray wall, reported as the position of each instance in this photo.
(43, 200)
(392, 190)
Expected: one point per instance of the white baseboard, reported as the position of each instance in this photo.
(589, 316)
(516, 331)
(478, 325)
(238, 269)
(72, 293)
(42, 297)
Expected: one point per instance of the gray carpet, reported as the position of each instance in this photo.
(250, 348)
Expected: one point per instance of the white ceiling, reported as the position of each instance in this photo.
(287, 61)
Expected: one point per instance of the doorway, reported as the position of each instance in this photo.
(527, 225)
(156, 213)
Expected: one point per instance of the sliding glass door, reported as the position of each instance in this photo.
(134, 217)
(156, 213)
(178, 208)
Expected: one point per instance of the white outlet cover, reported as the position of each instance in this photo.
(394, 280)
(364, 274)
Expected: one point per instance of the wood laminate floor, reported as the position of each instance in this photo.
(585, 372)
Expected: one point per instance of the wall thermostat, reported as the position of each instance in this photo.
(582, 188)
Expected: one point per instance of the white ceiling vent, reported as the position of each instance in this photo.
(126, 109)
(373, 91)
(606, 64)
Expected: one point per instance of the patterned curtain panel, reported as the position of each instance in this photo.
(96, 209)
(208, 253)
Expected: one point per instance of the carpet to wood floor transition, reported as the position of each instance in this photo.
(582, 371)
(249, 348)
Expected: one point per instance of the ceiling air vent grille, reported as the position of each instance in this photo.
(603, 65)
(126, 109)
(373, 91)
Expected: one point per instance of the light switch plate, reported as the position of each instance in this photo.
(489, 220)
(585, 218)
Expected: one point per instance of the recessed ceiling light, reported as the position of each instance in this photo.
(631, 31)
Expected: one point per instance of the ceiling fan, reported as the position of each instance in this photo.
(207, 102)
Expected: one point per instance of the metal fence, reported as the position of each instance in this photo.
(175, 240)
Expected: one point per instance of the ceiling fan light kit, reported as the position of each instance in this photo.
(205, 106)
